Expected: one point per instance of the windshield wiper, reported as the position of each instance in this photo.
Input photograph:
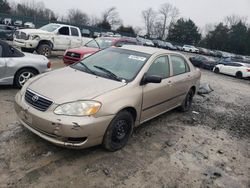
(109, 73)
(87, 68)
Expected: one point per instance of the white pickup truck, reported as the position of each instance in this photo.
(50, 37)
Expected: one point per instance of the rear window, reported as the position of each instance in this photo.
(74, 32)
(179, 64)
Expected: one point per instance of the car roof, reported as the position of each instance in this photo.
(146, 49)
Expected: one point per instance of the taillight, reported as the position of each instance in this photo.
(248, 70)
(49, 65)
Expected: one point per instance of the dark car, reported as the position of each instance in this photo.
(203, 62)
(6, 32)
(170, 46)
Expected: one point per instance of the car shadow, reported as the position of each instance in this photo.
(8, 87)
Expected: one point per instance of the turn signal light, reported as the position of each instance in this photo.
(49, 65)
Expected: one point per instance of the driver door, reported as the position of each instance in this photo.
(62, 39)
(157, 97)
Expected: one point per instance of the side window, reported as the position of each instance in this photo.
(180, 66)
(1, 51)
(160, 67)
(74, 32)
(63, 31)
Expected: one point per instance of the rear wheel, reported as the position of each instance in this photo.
(187, 103)
(44, 49)
(118, 131)
(239, 75)
(23, 75)
(217, 70)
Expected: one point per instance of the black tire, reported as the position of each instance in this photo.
(217, 70)
(239, 75)
(29, 50)
(44, 49)
(187, 103)
(23, 75)
(118, 131)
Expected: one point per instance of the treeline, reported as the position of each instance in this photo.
(234, 38)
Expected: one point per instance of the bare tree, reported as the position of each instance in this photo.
(93, 20)
(148, 17)
(77, 17)
(234, 19)
(168, 16)
(111, 16)
(138, 30)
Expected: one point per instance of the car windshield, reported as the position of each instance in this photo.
(124, 64)
(101, 43)
(50, 27)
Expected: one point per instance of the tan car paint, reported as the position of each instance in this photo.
(147, 101)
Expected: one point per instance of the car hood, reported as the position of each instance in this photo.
(84, 50)
(34, 31)
(67, 85)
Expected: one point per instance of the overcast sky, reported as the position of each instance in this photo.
(200, 11)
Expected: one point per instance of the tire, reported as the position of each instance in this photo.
(29, 50)
(187, 103)
(239, 75)
(118, 131)
(217, 70)
(44, 49)
(23, 75)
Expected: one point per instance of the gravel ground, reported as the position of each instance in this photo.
(206, 147)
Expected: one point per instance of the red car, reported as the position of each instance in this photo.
(73, 55)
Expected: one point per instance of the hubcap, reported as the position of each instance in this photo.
(24, 77)
(46, 52)
(120, 131)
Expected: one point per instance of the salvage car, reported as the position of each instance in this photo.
(17, 67)
(113, 91)
(76, 54)
(203, 62)
(6, 32)
(190, 48)
(47, 38)
(237, 69)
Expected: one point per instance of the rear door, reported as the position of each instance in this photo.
(75, 37)
(2, 65)
(181, 78)
(62, 39)
(157, 98)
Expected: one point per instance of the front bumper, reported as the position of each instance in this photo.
(25, 43)
(65, 131)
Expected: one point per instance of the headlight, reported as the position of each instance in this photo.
(78, 108)
(34, 37)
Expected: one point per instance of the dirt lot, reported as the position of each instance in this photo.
(206, 147)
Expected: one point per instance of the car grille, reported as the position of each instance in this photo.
(37, 101)
(73, 55)
(21, 35)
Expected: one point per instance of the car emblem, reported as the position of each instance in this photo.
(72, 55)
(35, 98)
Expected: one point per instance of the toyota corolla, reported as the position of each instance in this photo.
(100, 99)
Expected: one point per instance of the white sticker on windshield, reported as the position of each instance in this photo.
(138, 58)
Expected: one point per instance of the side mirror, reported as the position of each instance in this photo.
(150, 79)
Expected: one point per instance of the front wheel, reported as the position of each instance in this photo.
(22, 76)
(187, 103)
(118, 131)
(44, 49)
